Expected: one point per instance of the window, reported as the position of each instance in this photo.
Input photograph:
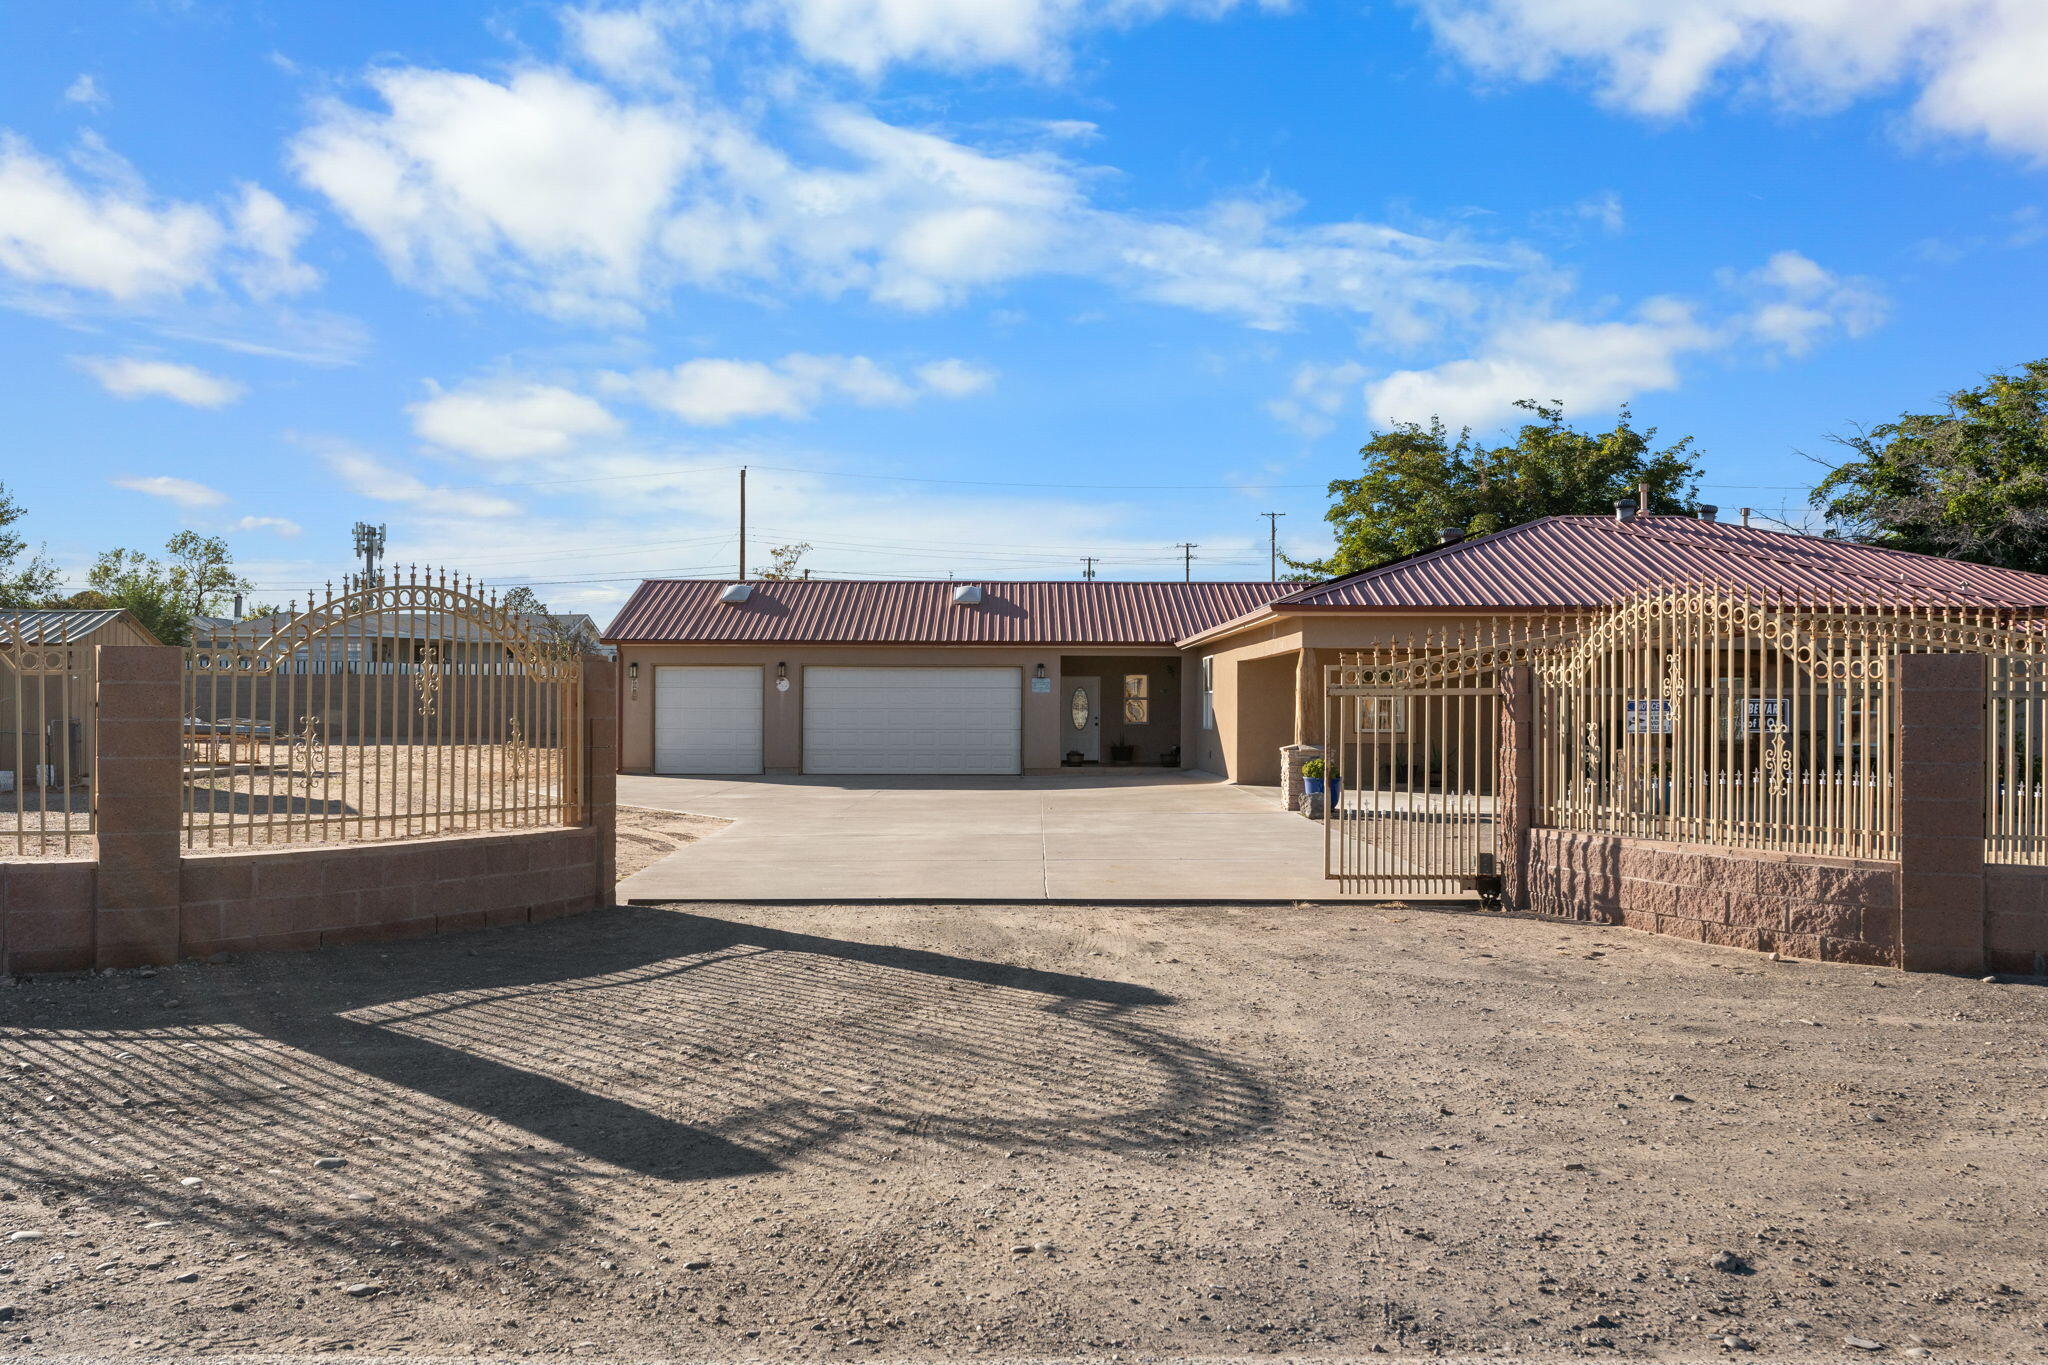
(1137, 698)
(1208, 693)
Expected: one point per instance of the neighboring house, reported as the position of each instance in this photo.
(1265, 667)
(390, 636)
(992, 677)
(926, 677)
(46, 718)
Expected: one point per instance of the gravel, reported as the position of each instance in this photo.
(1320, 1131)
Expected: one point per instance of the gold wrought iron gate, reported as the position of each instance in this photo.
(1411, 772)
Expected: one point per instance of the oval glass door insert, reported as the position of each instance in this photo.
(1080, 709)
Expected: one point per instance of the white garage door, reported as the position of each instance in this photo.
(707, 720)
(912, 720)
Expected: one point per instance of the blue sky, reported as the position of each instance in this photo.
(972, 286)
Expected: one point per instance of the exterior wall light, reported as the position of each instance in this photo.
(633, 678)
(1039, 672)
(782, 677)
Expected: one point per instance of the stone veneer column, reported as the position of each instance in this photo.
(1515, 795)
(601, 768)
(1941, 777)
(138, 778)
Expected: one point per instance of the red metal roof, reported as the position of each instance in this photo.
(1592, 561)
(832, 611)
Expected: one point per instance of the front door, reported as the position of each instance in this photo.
(1084, 719)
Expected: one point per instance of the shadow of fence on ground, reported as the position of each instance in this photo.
(478, 1085)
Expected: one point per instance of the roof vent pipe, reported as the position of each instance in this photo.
(1624, 509)
(1745, 514)
(1708, 511)
(1451, 535)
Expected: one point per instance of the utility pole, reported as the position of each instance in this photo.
(370, 545)
(1088, 566)
(1272, 545)
(743, 523)
(1187, 560)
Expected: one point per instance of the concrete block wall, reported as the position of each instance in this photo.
(294, 899)
(2016, 919)
(46, 915)
(1816, 909)
(146, 900)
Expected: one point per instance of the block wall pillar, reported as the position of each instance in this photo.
(138, 777)
(601, 768)
(1941, 803)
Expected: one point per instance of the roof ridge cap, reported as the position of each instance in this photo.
(1782, 557)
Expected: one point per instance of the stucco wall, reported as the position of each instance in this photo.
(1166, 677)
(46, 915)
(1812, 908)
(782, 712)
(309, 898)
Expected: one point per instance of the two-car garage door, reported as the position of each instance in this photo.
(855, 720)
(912, 720)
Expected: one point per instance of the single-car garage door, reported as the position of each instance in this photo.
(707, 720)
(912, 720)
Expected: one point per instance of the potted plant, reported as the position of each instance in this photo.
(1316, 776)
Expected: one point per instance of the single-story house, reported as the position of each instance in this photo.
(946, 677)
(821, 676)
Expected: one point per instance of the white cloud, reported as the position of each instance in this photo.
(130, 377)
(86, 91)
(584, 203)
(714, 392)
(1801, 303)
(283, 526)
(956, 378)
(1318, 395)
(271, 233)
(183, 492)
(106, 234)
(510, 421)
(111, 241)
(463, 182)
(869, 35)
(1785, 307)
(1582, 364)
(373, 478)
(1975, 64)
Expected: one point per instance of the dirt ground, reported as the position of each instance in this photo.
(810, 1132)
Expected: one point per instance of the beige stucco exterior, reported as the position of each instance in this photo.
(1266, 676)
(1267, 680)
(1044, 737)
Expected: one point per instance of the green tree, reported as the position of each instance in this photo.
(22, 583)
(194, 580)
(563, 629)
(1968, 482)
(1418, 483)
(783, 561)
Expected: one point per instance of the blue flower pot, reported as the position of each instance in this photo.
(1312, 786)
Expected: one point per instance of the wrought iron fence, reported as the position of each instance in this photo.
(1699, 715)
(1695, 713)
(397, 709)
(46, 735)
(2017, 802)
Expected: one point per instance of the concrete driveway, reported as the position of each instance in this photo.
(1117, 836)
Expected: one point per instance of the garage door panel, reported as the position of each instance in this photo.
(707, 719)
(962, 721)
